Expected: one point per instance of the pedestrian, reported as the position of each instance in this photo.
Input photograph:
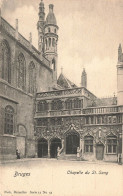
(17, 154)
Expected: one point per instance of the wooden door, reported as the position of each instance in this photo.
(99, 152)
(72, 142)
(42, 148)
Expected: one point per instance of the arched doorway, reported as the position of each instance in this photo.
(72, 142)
(42, 148)
(53, 147)
(99, 151)
(21, 141)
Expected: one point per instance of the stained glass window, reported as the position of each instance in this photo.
(5, 61)
(21, 72)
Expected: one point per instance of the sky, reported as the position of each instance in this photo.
(89, 34)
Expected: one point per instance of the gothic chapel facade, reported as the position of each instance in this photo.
(39, 113)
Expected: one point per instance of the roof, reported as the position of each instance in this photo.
(51, 19)
(65, 82)
(108, 101)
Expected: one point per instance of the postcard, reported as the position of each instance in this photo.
(61, 98)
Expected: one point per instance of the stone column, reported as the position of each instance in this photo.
(48, 149)
(105, 150)
(82, 145)
(94, 148)
(62, 141)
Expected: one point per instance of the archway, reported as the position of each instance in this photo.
(72, 142)
(55, 143)
(42, 148)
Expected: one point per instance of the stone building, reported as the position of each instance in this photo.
(24, 70)
(40, 113)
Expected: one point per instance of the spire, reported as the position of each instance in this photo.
(119, 53)
(84, 79)
(51, 7)
(41, 11)
(16, 28)
(114, 100)
(51, 19)
(40, 26)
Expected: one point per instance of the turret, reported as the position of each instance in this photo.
(120, 53)
(50, 40)
(40, 27)
(84, 79)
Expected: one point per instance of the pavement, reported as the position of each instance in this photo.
(54, 159)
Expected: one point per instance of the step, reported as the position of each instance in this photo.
(68, 157)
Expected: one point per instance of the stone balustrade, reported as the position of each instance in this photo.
(103, 110)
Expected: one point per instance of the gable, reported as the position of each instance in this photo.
(64, 82)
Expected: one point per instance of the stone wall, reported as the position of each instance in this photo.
(20, 100)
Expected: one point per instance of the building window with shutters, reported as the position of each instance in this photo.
(112, 144)
(9, 120)
(88, 144)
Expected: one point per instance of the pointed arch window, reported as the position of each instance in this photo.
(88, 143)
(5, 61)
(21, 72)
(32, 78)
(9, 120)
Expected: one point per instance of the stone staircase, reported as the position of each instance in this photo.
(71, 157)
